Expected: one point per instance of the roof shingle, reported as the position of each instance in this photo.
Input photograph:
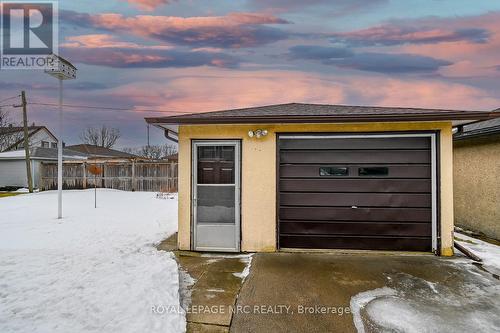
(298, 112)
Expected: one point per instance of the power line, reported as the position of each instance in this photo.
(3, 100)
(103, 108)
(8, 105)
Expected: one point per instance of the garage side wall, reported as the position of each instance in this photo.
(477, 184)
(258, 187)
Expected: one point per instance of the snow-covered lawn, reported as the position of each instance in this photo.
(97, 270)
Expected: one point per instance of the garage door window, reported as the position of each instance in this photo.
(333, 171)
(373, 171)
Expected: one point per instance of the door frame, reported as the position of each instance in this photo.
(195, 143)
(435, 174)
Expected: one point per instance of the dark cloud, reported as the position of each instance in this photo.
(337, 7)
(391, 63)
(371, 62)
(322, 53)
(391, 34)
(148, 58)
(234, 30)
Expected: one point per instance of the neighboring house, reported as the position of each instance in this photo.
(12, 137)
(96, 152)
(13, 164)
(315, 177)
(476, 164)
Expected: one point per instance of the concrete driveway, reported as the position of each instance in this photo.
(325, 292)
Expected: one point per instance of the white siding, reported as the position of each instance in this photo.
(42, 135)
(13, 173)
(37, 138)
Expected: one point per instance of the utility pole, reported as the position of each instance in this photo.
(148, 135)
(26, 142)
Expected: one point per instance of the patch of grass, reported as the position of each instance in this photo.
(8, 194)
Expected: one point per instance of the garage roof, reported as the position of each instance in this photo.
(482, 128)
(39, 153)
(320, 113)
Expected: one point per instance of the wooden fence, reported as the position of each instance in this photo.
(125, 176)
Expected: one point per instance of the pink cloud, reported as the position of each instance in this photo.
(393, 34)
(471, 44)
(212, 89)
(470, 59)
(230, 31)
(105, 41)
(148, 5)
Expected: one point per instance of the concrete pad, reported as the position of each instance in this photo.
(169, 244)
(215, 290)
(280, 286)
(204, 328)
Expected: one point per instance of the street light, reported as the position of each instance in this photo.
(62, 70)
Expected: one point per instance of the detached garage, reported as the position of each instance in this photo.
(311, 176)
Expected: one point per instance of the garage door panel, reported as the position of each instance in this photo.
(360, 214)
(355, 228)
(395, 171)
(355, 199)
(356, 185)
(357, 243)
(355, 193)
(355, 156)
(356, 143)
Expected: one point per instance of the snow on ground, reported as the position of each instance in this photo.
(489, 253)
(413, 305)
(97, 270)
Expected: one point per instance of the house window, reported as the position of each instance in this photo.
(45, 144)
(54, 144)
(333, 171)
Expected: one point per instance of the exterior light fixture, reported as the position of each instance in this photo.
(257, 133)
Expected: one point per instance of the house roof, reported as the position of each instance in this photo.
(478, 129)
(97, 151)
(318, 113)
(14, 129)
(39, 153)
(173, 157)
(10, 130)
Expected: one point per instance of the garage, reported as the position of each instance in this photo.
(367, 192)
(318, 176)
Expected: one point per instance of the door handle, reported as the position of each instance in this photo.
(354, 207)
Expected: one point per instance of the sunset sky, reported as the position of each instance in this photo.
(203, 55)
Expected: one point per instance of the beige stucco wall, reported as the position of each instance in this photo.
(477, 185)
(258, 196)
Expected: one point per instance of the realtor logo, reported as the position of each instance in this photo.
(28, 34)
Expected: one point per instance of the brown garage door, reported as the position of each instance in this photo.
(355, 193)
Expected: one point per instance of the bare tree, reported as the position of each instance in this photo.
(156, 152)
(102, 137)
(169, 150)
(7, 137)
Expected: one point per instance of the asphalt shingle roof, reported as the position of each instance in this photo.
(97, 151)
(481, 128)
(299, 112)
